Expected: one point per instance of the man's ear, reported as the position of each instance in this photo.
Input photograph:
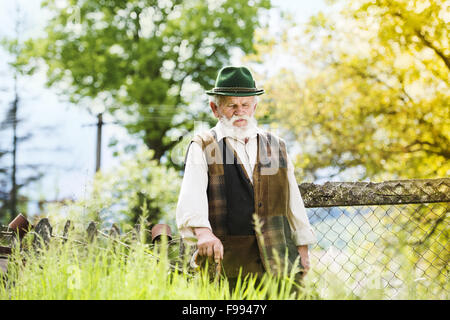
(254, 108)
(214, 109)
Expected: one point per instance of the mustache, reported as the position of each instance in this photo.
(244, 117)
(235, 118)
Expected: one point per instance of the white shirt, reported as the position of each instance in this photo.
(192, 209)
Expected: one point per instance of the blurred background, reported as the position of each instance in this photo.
(98, 99)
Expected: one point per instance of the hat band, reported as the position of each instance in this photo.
(235, 89)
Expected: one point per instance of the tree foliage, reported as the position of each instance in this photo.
(373, 91)
(14, 175)
(371, 94)
(124, 192)
(139, 58)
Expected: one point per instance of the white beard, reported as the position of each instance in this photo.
(239, 132)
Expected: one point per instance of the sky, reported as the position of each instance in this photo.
(59, 125)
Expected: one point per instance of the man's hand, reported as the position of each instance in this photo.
(208, 244)
(304, 256)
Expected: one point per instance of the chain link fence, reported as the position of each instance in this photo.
(385, 240)
(388, 239)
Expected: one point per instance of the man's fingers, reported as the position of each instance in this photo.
(202, 250)
(218, 253)
(306, 266)
(209, 251)
(214, 251)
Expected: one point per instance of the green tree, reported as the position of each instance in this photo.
(372, 93)
(14, 175)
(139, 57)
(122, 193)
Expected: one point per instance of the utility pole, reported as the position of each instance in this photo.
(99, 141)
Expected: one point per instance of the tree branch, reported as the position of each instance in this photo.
(436, 50)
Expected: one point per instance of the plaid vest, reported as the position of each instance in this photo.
(271, 195)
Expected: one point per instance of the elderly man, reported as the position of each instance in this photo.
(236, 174)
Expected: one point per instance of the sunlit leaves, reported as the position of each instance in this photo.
(372, 92)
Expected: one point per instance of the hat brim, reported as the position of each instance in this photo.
(235, 93)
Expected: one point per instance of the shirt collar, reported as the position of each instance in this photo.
(221, 133)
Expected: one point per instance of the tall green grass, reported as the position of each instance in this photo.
(107, 269)
(110, 269)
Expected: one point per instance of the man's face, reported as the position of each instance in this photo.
(235, 106)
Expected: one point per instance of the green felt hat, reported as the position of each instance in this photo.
(235, 81)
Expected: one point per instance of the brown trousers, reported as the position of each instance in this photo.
(238, 252)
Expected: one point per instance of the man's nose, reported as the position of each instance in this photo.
(239, 111)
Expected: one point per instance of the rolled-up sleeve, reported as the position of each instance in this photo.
(302, 232)
(192, 207)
